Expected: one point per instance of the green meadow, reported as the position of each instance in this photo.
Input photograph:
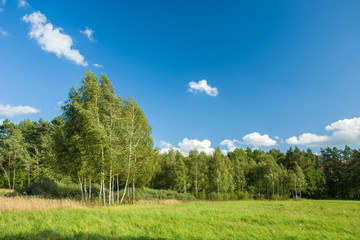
(307, 219)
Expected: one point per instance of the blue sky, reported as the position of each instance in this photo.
(278, 73)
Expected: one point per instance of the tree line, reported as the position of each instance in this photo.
(334, 173)
(105, 140)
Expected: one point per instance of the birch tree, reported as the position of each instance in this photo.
(110, 116)
(138, 145)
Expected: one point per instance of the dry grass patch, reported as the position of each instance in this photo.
(20, 204)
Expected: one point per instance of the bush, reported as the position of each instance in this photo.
(48, 188)
(214, 196)
(154, 194)
(243, 195)
(238, 195)
(260, 196)
(279, 197)
(44, 187)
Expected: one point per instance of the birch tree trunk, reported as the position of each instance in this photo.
(103, 192)
(103, 176)
(117, 185)
(128, 176)
(110, 181)
(126, 185)
(133, 193)
(133, 182)
(112, 192)
(81, 189)
(101, 186)
(85, 193)
(90, 189)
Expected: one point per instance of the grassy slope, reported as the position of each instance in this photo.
(196, 220)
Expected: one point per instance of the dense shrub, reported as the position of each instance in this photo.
(153, 194)
(243, 195)
(279, 197)
(49, 188)
(238, 195)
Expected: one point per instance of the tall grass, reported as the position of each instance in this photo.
(307, 219)
(20, 204)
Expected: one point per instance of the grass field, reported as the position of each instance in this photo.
(308, 219)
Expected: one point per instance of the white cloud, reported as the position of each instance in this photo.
(164, 144)
(308, 139)
(10, 111)
(257, 140)
(1, 121)
(4, 33)
(202, 86)
(97, 65)
(52, 39)
(230, 144)
(345, 132)
(186, 145)
(166, 147)
(22, 3)
(89, 33)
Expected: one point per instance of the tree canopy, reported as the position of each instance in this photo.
(105, 140)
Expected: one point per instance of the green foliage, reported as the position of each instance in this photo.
(153, 194)
(271, 175)
(220, 174)
(101, 136)
(106, 139)
(48, 188)
(243, 195)
(238, 195)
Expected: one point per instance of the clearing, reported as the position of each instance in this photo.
(308, 219)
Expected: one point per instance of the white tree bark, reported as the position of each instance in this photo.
(110, 181)
(81, 189)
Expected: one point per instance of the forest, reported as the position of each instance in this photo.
(102, 142)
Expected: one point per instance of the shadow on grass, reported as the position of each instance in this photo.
(48, 234)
